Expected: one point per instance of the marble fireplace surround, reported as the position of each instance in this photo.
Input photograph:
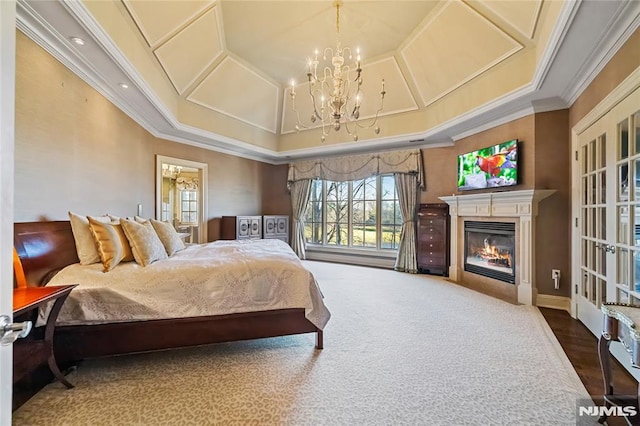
(520, 207)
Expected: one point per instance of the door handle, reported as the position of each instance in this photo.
(10, 332)
(608, 248)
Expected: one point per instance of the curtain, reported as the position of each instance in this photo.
(407, 187)
(354, 167)
(184, 183)
(300, 193)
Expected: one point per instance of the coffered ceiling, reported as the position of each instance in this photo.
(217, 73)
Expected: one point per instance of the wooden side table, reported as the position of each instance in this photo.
(619, 326)
(38, 347)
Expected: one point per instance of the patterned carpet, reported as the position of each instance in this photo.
(399, 349)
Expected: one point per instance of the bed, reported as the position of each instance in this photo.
(47, 252)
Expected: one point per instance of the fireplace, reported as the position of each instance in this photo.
(517, 207)
(489, 249)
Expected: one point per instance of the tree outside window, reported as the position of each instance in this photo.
(364, 213)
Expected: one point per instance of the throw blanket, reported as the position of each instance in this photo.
(222, 277)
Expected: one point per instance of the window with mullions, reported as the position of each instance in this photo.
(361, 214)
(188, 206)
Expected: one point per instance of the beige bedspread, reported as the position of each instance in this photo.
(217, 278)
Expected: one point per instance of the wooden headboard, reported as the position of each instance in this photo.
(44, 248)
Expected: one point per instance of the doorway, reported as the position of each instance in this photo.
(606, 208)
(181, 196)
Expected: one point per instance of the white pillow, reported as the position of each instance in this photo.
(169, 236)
(145, 244)
(85, 244)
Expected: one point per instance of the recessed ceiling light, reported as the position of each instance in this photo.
(123, 85)
(78, 41)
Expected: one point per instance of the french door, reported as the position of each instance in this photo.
(608, 251)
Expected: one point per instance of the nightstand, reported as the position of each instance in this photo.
(30, 352)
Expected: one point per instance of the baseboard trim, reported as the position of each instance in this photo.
(351, 259)
(554, 302)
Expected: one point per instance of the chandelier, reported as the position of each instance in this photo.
(170, 170)
(336, 99)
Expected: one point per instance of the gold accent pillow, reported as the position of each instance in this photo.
(111, 242)
(85, 244)
(169, 236)
(146, 246)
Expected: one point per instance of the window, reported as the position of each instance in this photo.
(360, 214)
(188, 206)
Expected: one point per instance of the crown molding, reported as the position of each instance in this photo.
(560, 30)
(102, 65)
(625, 22)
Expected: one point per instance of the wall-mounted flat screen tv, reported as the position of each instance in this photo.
(492, 167)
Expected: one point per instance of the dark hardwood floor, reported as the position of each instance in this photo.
(581, 347)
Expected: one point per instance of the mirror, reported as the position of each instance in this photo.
(181, 196)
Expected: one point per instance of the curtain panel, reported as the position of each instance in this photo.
(300, 194)
(360, 166)
(407, 188)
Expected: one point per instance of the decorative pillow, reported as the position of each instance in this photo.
(139, 219)
(145, 244)
(111, 242)
(85, 244)
(169, 236)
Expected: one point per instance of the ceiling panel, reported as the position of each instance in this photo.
(156, 20)
(456, 45)
(188, 53)
(280, 35)
(521, 14)
(235, 90)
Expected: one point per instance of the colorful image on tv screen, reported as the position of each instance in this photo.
(491, 167)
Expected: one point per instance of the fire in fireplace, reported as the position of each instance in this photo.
(489, 249)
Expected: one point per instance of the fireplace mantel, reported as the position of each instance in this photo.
(522, 205)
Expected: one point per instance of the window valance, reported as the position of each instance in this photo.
(360, 166)
(184, 183)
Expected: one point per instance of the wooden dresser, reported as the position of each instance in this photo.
(433, 239)
(240, 227)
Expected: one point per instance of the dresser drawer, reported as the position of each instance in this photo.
(432, 246)
(432, 263)
(433, 237)
(434, 254)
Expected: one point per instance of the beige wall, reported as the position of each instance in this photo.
(441, 172)
(625, 61)
(77, 151)
(543, 164)
(553, 171)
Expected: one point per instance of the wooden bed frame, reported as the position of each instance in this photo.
(46, 247)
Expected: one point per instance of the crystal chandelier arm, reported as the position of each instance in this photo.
(375, 118)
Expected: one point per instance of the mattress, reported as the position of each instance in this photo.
(223, 277)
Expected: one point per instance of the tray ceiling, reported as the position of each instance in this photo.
(220, 70)
(442, 45)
